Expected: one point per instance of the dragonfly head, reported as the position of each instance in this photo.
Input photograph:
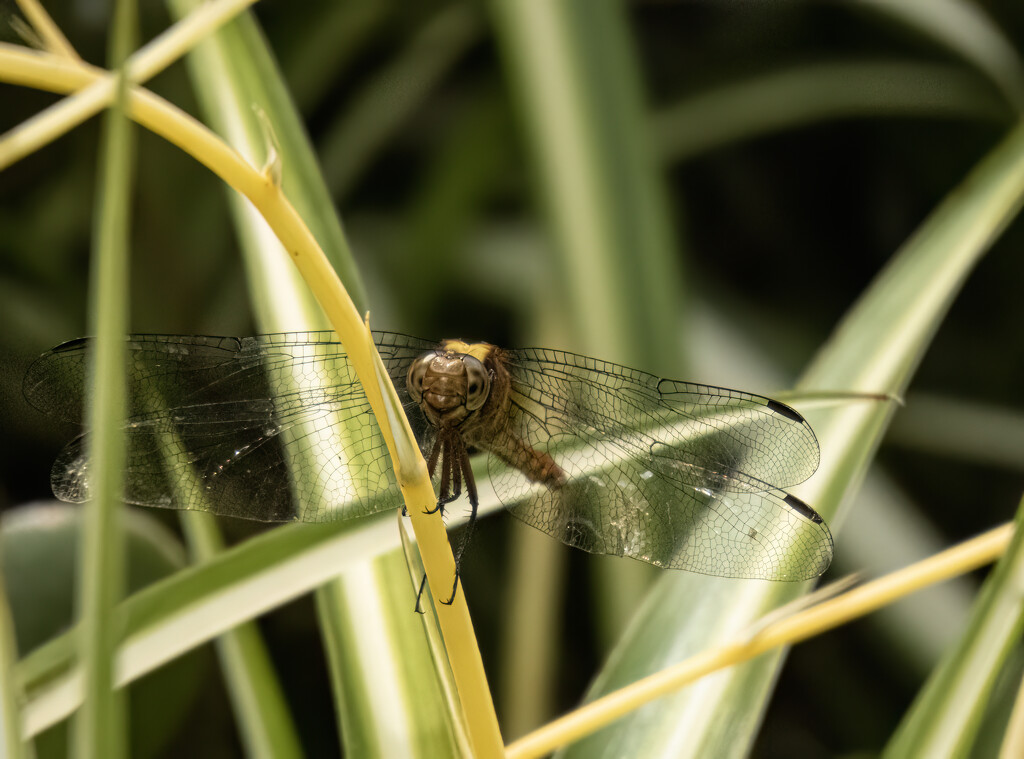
(449, 386)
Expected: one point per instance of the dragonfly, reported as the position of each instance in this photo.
(607, 459)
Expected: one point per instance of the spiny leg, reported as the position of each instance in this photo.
(445, 490)
(435, 451)
(450, 489)
(474, 502)
(419, 595)
(457, 473)
(464, 470)
(446, 494)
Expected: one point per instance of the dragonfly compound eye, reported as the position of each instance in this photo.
(414, 380)
(478, 383)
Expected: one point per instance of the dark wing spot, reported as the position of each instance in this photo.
(802, 508)
(787, 411)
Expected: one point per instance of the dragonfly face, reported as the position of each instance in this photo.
(449, 386)
(605, 458)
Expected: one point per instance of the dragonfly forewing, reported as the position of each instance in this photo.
(272, 428)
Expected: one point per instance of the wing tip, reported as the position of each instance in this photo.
(824, 548)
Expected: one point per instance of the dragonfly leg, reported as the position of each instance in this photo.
(423, 584)
(464, 472)
(435, 451)
(419, 595)
(435, 454)
(455, 589)
(451, 477)
(445, 491)
(442, 502)
(455, 470)
(457, 474)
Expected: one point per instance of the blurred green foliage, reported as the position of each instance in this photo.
(39, 547)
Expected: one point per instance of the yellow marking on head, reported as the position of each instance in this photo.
(479, 351)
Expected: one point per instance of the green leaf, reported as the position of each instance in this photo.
(388, 99)
(797, 97)
(12, 745)
(962, 430)
(256, 696)
(963, 27)
(99, 728)
(234, 73)
(39, 547)
(194, 606)
(578, 87)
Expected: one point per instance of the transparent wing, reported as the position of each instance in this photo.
(676, 474)
(273, 428)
